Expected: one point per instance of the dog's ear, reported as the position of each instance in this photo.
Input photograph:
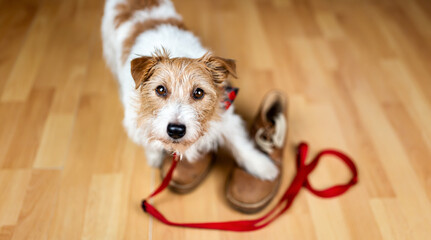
(220, 68)
(142, 68)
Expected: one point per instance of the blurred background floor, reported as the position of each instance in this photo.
(358, 76)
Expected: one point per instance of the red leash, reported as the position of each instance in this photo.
(300, 180)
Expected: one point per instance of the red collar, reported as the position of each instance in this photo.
(230, 96)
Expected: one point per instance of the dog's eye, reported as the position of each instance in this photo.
(161, 91)
(198, 93)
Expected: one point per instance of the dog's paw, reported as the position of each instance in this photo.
(154, 157)
(261, 166)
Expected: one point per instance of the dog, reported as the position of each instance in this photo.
(172, 88)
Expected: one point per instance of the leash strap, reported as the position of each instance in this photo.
(300, 180)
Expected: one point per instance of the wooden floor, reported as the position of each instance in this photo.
(358, 76)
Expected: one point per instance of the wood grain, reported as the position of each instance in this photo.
(358, 78)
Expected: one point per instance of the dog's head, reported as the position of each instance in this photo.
(178, 97)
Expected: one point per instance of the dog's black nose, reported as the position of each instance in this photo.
(176, 131)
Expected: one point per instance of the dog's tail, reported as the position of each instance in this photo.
(118, 20)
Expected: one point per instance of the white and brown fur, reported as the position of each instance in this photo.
(146, 44)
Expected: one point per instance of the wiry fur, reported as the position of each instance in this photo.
(181, 64)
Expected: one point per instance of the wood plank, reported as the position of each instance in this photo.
(70, 209)
(103, 216)
(6, 232)
(20, 82)
(16, 19)
(391, 221)
(37, 209)
(13, 185)
(55, 141)
(28, 131)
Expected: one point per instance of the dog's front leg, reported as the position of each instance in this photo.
(243, 150)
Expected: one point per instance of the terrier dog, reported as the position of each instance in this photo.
(172, 88)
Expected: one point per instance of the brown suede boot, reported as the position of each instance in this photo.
(187, 176)
(244, 191)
